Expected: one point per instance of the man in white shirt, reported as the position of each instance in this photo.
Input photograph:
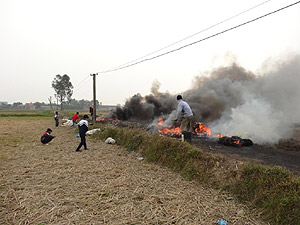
(187, 114)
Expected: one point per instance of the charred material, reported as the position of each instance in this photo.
(235, 141)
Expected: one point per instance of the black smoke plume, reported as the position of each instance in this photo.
(146, 108)
(232, 101)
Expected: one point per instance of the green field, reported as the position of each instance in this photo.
(42, 113)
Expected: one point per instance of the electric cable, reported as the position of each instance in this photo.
(206, 38)
(192, 35)
(80, 83)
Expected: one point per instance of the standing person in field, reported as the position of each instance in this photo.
(91, 110)
(75, 118)
(46, 137)
(56, 118)
(83, 128)
(187, 115)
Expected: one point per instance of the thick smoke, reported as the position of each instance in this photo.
(146, 108)
(232, 101)
(269, 105)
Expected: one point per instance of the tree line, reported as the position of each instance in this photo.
(73, 104)
(63, 88)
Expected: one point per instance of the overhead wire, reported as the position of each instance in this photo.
(81, 82)
(82, 85)
(192, 35)
(203, 39)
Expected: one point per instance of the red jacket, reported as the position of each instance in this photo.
(75, 117)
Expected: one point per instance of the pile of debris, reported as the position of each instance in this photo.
(235, 141)
(121, 123)
(200, 131)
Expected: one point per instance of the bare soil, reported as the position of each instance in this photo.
(53, 184)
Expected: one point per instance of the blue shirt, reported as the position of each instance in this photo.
(183, 107)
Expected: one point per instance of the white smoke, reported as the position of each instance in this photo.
(256, 120)
(270, 106)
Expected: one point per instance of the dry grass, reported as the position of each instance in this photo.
(105, 185)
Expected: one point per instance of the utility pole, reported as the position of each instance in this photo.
(94, 96)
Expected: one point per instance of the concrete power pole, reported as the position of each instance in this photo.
(94, 96)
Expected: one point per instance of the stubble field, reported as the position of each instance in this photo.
(53, 184)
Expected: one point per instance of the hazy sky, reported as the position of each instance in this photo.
(42, 38)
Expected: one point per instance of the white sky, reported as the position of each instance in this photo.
(42, 38)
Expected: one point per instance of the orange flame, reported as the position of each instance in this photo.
(102, 119)
(237, 142)
(201, 130)
(167, 131)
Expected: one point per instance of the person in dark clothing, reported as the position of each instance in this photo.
(91, 110)
(83, 128)
(56, 118)
(46, 137)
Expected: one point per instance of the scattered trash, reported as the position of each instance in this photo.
(229, 198)
(77, 135)
(136, 155)
(90, 132)
(67, 123)
(222, 222)
(110, 141)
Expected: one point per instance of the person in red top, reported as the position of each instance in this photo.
(46, 137)
(75, 118)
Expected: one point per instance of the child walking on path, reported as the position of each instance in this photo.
(46, 137)
(83, 128)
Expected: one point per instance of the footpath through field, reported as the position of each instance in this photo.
(53, 184)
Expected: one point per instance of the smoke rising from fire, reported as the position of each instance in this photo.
(232, 101)
(146, 108)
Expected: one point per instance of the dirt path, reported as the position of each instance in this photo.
(53, 184)
(267, 155)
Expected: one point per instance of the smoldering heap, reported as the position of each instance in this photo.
(232, 101)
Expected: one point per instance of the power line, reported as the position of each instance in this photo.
(76, 86)
(184, 46)
(192, 35)
(82, 84)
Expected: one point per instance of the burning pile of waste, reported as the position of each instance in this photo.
(235, 141)
(229, 100)
(199, 129)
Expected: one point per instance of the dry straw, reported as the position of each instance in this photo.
(105, 185)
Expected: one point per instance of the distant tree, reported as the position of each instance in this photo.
(63, 88)
(37, 105)
(80, 104)
(16, 104)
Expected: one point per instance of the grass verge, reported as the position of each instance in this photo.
(272, 190)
